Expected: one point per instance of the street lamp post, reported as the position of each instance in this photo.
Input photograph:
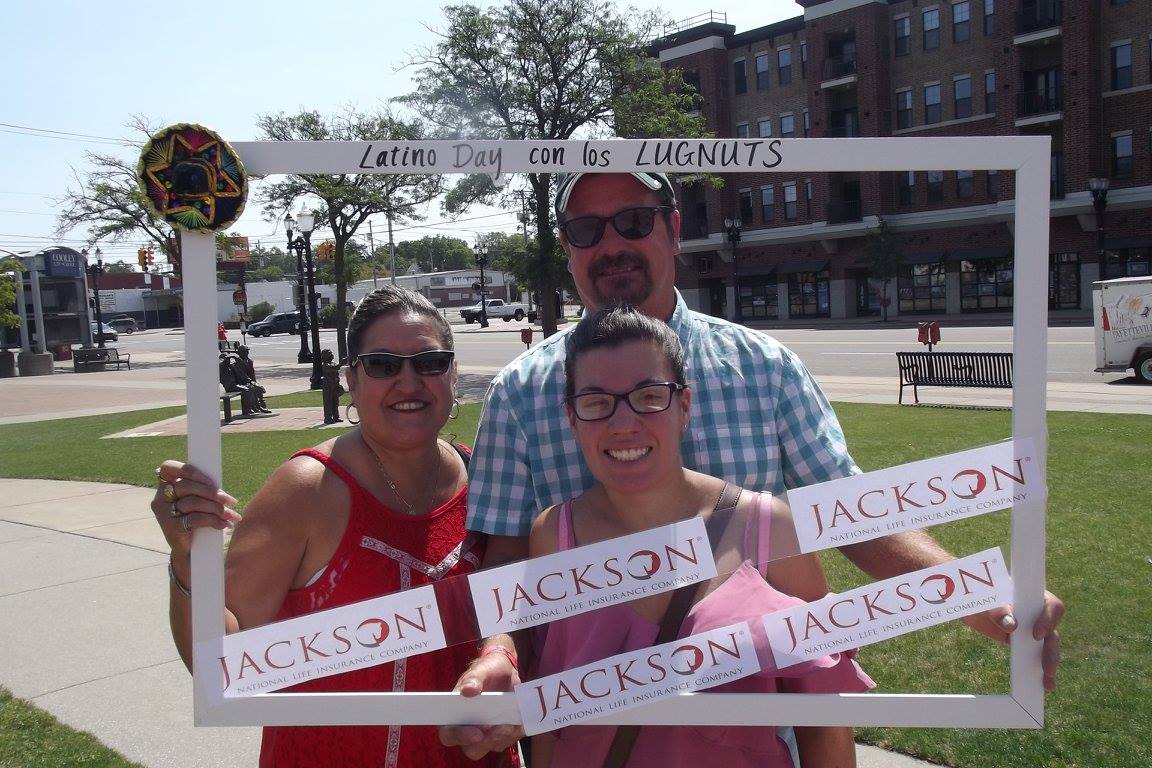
(95, 270)
(297, 245)
(733, 227)
(306, 221)
(1099, 188)
(482, 261)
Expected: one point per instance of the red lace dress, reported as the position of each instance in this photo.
(381, 551)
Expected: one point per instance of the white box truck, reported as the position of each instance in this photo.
(1122, 312)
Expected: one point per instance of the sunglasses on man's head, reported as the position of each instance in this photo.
(631, 223)
(385, 365)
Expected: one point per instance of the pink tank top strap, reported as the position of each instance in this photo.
(565, 539)
(756, 531)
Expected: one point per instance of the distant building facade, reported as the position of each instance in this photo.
(1080, 72)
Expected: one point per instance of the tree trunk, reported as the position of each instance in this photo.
(546, 244)
(341, 301)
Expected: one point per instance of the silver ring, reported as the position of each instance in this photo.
(185, 524)
(158, 475)
(168, 491)
(173, 510)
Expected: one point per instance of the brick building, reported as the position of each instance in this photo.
(1080, 72)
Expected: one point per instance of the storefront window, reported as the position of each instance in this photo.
(922, 288)
(808, 294)
(1064, 281)
(759, 298)
(986, 285)
(1127, 262)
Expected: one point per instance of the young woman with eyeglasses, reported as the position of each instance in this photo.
(628, 407)
(378, 509)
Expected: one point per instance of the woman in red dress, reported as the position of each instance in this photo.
(378, 509)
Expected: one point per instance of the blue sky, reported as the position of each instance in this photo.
(85, 68)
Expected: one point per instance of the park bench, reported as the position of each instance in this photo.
(226, 399)
(953, 369)
(98, 359)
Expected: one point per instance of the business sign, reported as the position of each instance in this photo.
(889, 608)
(63, 263)
(915, 495)
(637, 678)
(107, 301)
(543, 589)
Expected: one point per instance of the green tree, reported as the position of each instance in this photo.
(346, 200)
(8, 266)
(885, 257)
(119, 268)
(544, 69)
(260, 311)
(435, 253)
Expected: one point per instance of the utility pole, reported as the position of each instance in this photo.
(372, 253)
(391, 247)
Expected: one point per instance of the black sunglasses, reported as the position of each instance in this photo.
(646, 398)
(385, 365)
(631, 223)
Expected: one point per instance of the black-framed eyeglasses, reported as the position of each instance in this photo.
(385, 365)
(646, 398)
(631, 223)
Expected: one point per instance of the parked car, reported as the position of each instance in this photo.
(106, 332)
(124, 324)
(277, 322)
(496, 308)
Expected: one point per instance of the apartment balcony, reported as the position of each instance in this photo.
(1036, 107)
(1039, 21)
(840, 211)
(838, 72)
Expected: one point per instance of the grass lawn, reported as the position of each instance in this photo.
(1099, 534)
(30, 738)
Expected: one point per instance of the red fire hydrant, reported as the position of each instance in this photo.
(526, 337)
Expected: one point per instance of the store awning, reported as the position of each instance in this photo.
(909, 258)
(801, 265)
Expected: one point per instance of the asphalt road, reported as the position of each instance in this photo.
(844, 352)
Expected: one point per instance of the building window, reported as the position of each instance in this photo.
(746, 206)
(762, 72)
(906, 187)
(759, 297)
(790, 209)
(809, 193)
(931, 19)
(1064, 281)
(965, 184)
(962, 103)
(803, 59)
(932, 112)
(808, 294)
(989, 93)
(741, 130)
(768, 204)
(935, 186)
(921, 288)
(740, 76)
(807, 122)
(1121, 66)
(765, 127)
(787, 125)
(992, 184)
(1122, 156)
(986, 285)
(961, 21)
(903, 36)
(1127, 262)
(989, 17)
(784, 65)
(903, 109)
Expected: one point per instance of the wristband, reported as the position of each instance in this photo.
(176, 582)
(497, 648)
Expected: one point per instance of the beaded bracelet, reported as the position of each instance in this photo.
(176, 582)
(497, 648)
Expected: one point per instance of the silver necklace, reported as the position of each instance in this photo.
(392, 483)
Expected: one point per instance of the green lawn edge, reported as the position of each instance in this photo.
(32, 738)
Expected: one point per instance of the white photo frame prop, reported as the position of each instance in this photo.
(1026, 156)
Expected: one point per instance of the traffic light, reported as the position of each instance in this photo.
(142, 258)
(149, 257)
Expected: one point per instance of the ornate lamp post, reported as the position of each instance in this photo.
(306, 221)
(94, 271)
(297, 245)
(481, 262)
(1099, 188)
(733, 227)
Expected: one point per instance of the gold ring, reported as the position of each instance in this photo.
(174, 511)
(168, 491)
(184, 524)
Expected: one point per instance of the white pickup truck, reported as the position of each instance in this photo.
(1122, 309)
(497, 308)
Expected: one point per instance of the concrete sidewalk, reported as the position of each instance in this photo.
(84, 595)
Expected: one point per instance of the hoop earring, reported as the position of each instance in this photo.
(455, 412)
(348, 414)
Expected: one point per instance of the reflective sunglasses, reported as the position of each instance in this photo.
(385, 365)
(631, 223)
(646, 398)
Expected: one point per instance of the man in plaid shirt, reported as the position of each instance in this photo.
(760, 421)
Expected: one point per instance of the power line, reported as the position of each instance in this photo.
(63, 134)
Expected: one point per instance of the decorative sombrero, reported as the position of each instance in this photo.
(192, 178)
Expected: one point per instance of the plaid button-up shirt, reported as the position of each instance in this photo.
(758, 420)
